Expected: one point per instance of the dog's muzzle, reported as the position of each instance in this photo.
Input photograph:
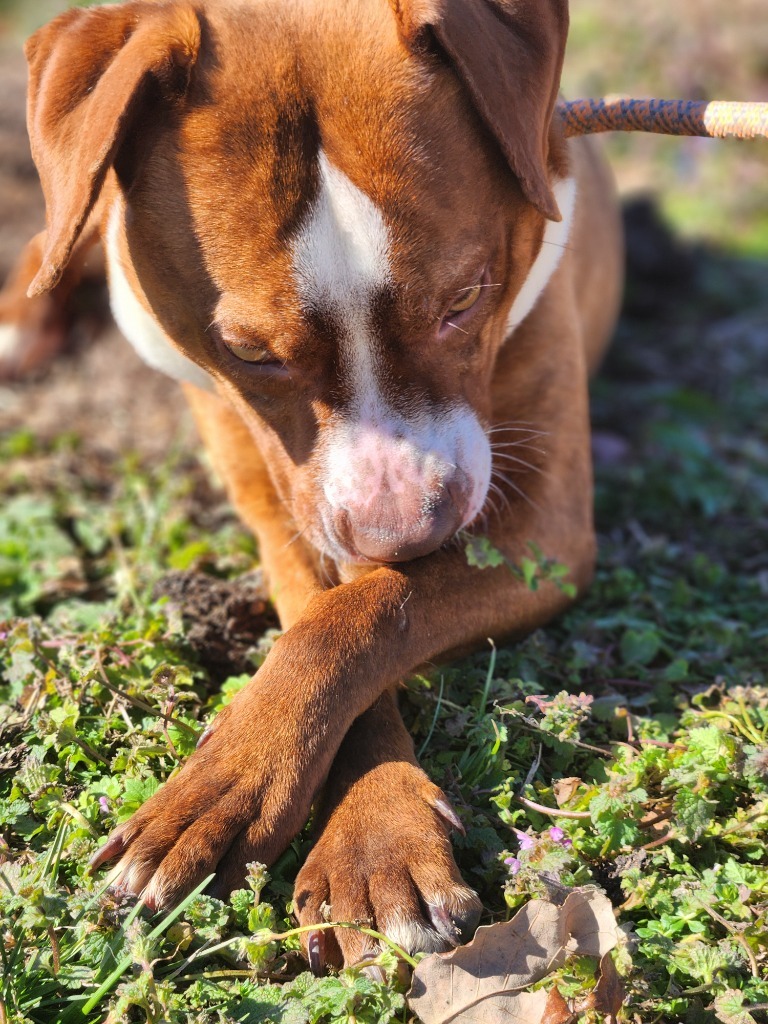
(399, 526)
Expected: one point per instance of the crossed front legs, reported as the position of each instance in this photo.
(319, 723)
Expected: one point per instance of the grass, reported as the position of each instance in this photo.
(625, 746)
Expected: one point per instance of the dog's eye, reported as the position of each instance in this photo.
(466, 299)
(249, 353)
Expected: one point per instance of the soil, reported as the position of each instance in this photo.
(222, 621)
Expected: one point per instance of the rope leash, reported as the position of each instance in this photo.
(717, 119)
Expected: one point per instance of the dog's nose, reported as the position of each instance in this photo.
(393, 530)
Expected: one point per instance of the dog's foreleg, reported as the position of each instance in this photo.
(248, 789)
(33, 331)
(290, 566)
(383, 853)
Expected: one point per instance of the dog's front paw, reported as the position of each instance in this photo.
(24, 350)
(384, 860)
(32, 332)
(235, 801)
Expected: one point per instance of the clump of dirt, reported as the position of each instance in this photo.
(223, 621)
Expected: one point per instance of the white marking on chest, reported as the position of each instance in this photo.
(546, 263)
(341, 260)
(138, 325)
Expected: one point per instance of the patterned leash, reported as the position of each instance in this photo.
(665, 117)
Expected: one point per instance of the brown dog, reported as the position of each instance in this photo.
(356, 233)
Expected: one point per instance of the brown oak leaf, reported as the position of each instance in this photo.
(485, 981)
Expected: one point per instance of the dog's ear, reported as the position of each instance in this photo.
(509, 55)
(90, 74)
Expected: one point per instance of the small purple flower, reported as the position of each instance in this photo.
(513, 864)
(558, 836)
(525, 841)
(104, 805)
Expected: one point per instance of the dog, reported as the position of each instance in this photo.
(355, 232)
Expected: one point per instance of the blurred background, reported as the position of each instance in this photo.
(691, 49)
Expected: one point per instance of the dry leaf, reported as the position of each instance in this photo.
(609, 993)
(557, 1010)
(482, 983)
(607, 997)
(565, 790)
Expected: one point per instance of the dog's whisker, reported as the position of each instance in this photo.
(499, 453)
(503, 478)
(501, 446)
(497, 490)
(491, 508)
(294, 538)
(559, 245)
(456, 327)
(325, 575)
(517, 428)
(520, 462)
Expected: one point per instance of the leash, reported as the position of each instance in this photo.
(717, 119)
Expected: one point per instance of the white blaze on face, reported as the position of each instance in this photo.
(341, 260)
(554, 244)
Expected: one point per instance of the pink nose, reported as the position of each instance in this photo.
(393, 530)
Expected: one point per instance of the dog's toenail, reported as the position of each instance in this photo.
(375, 973)
(467, 921)
(448, 814)
(444, 925)
(455, 926)
(207, 733)
(316, 953)
(111, 849)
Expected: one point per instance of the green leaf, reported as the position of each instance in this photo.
(482, 554)
(640, 647)
(693, 812)
(729, 1008)
(529, 569)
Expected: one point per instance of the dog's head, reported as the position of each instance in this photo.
(333, 211)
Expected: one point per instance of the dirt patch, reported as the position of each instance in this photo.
(223, 622)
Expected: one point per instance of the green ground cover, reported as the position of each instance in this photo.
(639, 721)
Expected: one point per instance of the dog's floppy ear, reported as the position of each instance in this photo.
(509, 55)
(90, 73)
